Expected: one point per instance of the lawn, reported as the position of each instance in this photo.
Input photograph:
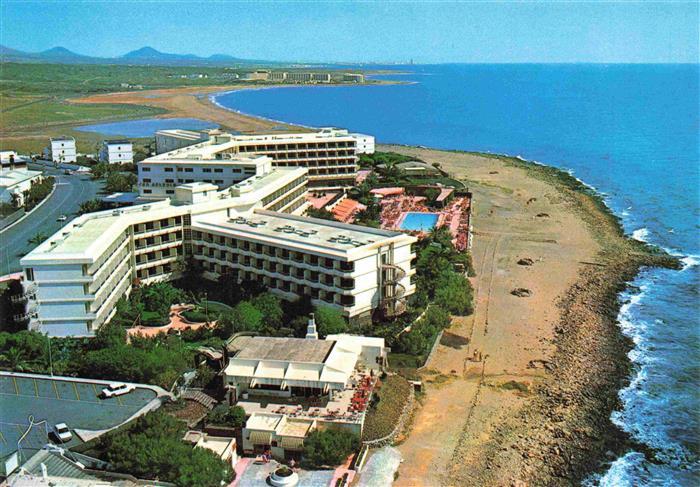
(46, 112)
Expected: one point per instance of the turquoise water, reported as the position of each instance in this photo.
(422, 222)
(632, 132)
(146, 127)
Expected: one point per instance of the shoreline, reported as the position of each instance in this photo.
(563, 432)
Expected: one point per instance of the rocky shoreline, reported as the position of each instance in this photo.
(564, 433)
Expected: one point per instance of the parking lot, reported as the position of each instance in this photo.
(55, 400)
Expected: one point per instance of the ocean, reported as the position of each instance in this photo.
(630, 131)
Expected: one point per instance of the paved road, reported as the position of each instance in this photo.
(71, 190)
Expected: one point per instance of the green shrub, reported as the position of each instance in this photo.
(386, 409)
(329, 447)
(233, 416)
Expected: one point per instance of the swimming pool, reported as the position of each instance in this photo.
(421, 222)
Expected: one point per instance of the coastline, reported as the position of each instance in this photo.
(561, 432)
(547, 422)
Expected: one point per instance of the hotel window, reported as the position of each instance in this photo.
(30, 273)
(146, 169)
(206, 169)
(189, 169)
(168, 169)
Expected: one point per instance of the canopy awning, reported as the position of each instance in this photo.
(291, 443)
(260, 437)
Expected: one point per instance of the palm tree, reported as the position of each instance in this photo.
(14, 359)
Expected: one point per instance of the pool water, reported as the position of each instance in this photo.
(421, 222)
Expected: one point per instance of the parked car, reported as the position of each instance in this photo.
(62, 432)
(117, 389)
(62, 218)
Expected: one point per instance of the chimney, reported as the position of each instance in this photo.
(311, 333)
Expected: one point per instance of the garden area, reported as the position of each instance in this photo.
(152, 448)
(387, 405)
(440, 292)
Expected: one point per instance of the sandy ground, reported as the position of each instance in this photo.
(188, 103)
(467, 399)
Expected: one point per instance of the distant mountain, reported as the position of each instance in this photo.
(144, 56)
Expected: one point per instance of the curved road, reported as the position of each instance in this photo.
(71, 190)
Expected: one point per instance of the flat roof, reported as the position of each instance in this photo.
(117, 141)
(263, 421)
(63, 137)
(293, 427)
(82, 235)
(281, 349)
(16, 176)
(315, 233)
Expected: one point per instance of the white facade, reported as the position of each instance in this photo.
(170, 140)
(16, 182)
(330, 154)
(78, 274)
(158, 176)
(62, 149)
(117, 152)
(365, 143)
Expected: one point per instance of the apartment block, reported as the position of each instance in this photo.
(170, 140)
(330, 154)
(75, 277)
(61, 149)
(116, 152)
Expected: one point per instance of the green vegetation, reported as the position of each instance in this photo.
(120, 182)
(37, 192)
(152, 448)
(387, 404)
(320, 213)
(329, 447)
(388, 158)
(91, 206)
(233, 416)
(149, 305)
(37, 238)
(10, 309)
(329, 321)
(19, 79)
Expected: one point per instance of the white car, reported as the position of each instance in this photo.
(62, 432)
(62, 218)
(117, 389)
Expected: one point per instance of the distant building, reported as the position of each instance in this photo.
(258, 75)
(329, 153)
(354, 77)
(61, 149)
(278, 76)
(170, 140)
(365, 143)
(117, 152)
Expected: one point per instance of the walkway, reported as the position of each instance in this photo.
(177, 323)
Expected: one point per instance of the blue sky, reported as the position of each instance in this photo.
(388, 31)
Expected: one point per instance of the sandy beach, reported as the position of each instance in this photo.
(535, 410)
(550, 261)
(190, 103)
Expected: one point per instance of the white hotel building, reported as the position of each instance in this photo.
(61, 149)
(330, 154)
(77, 275)
(117, 152)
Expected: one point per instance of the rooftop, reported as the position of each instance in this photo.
(263, 421)
(118, 142)
(281, 349)
(62, 138)
(16, 176)
(314, 233)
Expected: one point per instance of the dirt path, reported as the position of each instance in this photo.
(467, 399)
